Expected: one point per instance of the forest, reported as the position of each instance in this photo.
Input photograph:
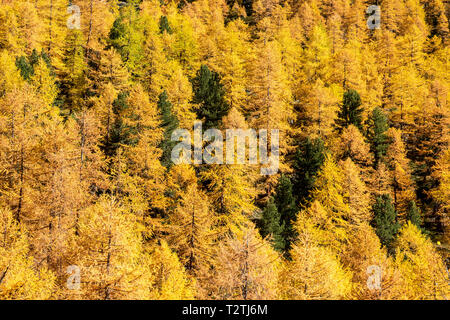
(92, 207)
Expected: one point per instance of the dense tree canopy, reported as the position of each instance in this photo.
(89, 118)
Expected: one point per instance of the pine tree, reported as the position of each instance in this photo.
(209, 96)
(414, 215)
(164, 25)
(126, 36)
(169, 124)
(270, 225)
(310, 157)
(350, 111)
(287, 209)
(377, 126)
(385, 221)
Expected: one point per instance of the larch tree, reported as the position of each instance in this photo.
(351, 144)
(24, 114)
(169, 278)
(96, 22)
(231, 63)
(231, 187)
(190, 232)
(143, 152)
(20, 278)
(75, 82)
(246, 268)
(328, 199)
(397, 162)
(441, 193)
(55, 25)
(362, 255)
(110, 253)
(358, 196)
(423, 272)
(314, 271)
(270, 99)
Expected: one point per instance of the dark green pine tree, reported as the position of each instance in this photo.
(48, 61)
(126, 36)
(25, 68)
(169, 123)
(377, 125)
(119, 37)
(414, 215)
(121, 133)
(248, 5)
(209, 95)
(385, 220)
(164, 25)
(26, 64)
(270, 225)
(34, 57)
(309, 158)
(350, 112)
(285, 202)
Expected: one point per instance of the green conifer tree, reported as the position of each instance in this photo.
(385, 220)
(169, 123)
(287, 209)
(414, 214)
(209, 94)
(377, 125)
(350, 111)
(164, 25)
(270, 225)
(309, 157)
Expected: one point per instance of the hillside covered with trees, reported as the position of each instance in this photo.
(93, 207)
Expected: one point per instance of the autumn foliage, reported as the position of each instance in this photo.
(87, 183)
